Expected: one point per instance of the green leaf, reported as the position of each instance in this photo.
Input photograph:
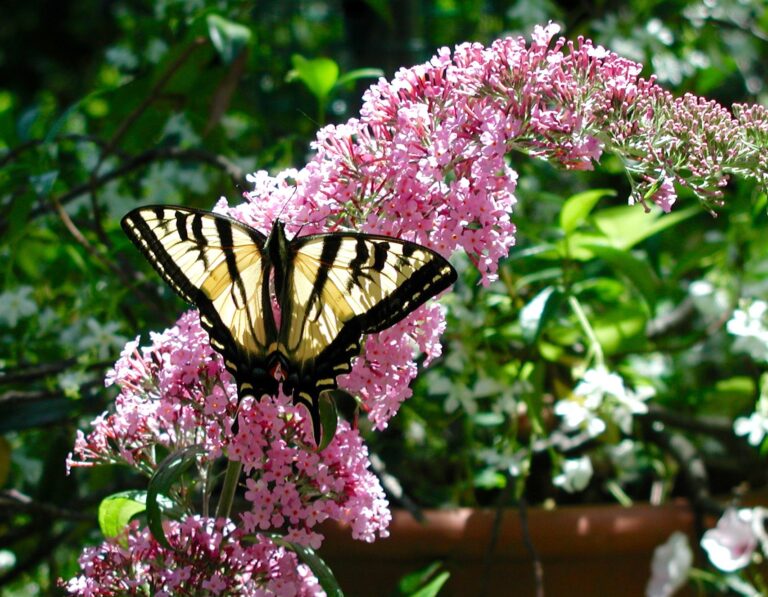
(488, 419)
(329, 419)
(574, 245)
(577, 207)
(168, 472)
(621, 329)
(423, 582)
(116, 511)
(18, 218)
(359, 73)
(628, 225)
(534, 316)
(229, 38)
(319, 568)
(320, 75)
(433, 587)
(638, 271)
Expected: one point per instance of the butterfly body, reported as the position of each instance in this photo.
(327, 291)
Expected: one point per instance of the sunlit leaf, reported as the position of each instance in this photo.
(628, 225)
(116, 511)
(318, 74)
(577, 207)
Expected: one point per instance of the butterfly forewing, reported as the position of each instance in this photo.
(342, 286)
(217, 264)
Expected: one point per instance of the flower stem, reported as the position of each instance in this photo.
(595, 350)
(228, 489)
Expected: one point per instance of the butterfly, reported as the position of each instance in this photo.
(329, 289)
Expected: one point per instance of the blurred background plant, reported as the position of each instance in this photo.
(112, 105)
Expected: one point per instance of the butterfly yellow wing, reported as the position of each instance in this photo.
(217, 264)
(341, 286)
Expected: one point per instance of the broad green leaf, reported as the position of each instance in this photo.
(577, 207)
(488, 419)
(168, 472)
(229, 38)
(319, 75)
(628, 225)
(489, 479)
(534, 316)
(319, 568)
(18, 217)
(116, 511)
(638, 271)
(413, 580)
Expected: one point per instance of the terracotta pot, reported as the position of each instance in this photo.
(593, 550)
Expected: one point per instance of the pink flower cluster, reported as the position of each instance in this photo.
(174, 393)
(292, 487)
(208, 557)
(427, 161)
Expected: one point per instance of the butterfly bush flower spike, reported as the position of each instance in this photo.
(210, 557)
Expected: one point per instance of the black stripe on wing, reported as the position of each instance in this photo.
(373, 256)
(154, 228)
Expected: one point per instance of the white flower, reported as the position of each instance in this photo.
(732, 542)
(711, 301)
(576, 415)
(630, 403)
(756, 427)
(602, 392)
(576, 474)
(17, 304)
(598, 382)
(102, 337)
(670, 566)
(748, 323)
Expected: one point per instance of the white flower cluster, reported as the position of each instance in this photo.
(602, 395)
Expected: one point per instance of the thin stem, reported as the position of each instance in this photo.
(594, 344)
(228, 489)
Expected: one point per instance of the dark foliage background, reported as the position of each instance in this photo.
(108, 104)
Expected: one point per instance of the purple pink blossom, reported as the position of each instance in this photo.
(208, 557)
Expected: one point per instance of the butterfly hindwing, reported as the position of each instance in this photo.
(344, 285)
(218, 265)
